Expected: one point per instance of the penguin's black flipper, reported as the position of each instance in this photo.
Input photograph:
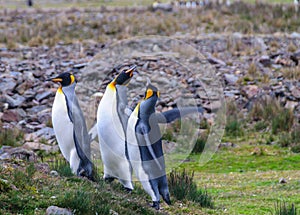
(80, 133)
(177, 113)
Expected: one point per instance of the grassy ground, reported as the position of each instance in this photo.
(241, 180)
(245, 180)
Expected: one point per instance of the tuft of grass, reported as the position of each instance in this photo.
(260, 125)
(291, 139)
(199, 145)
(10, 137)
(292, 73)
(182, 187)
(23, 180)
(282, 121)
(62, 167)
(252, 70)
(282, 208)
(234, 127)
(84, 202)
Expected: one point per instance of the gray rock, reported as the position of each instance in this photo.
(54, 173)
(296, 93)
(230, 78)
(19, 153)
(46, 133)
(44, 95)
(259, 42)
(79, 66)
(282, 181)
(162, 6)
(7, 84)
(214, 60)
(265, 60)
(40, 147)
(227, 145)
(54, 210)
(295, 35)
(14, 101)
(250, 91)
(10, 116)
(291, 104)
(36, 109)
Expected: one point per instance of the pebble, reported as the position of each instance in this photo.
(54, 210)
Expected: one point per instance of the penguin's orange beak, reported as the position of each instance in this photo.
(56, 79)
(131, 70)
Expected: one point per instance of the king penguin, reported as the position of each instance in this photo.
(144, 145)
(111, 126)
(70, 127)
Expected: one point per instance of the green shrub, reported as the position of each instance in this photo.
(62, 167)
(260, 125)
(199, 145)
(234, 127)
(182, 186)
(281, 208)
(25, 179)
(83, 202)
(283, 121)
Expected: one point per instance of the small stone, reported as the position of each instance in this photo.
(230, 78)
(296, 93)
(227, 145)
(54, 173)
(265, 60)
(42, 96)
(79, 66)
(259, 42)
(7, 84)
(54, 210)
(10, 116)
(291, 105)
(282, 181)
(295, 35)
(250, 91)
(39, 147)
(14, 101)
(214, 60)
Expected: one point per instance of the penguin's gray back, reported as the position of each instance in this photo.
(78, 120)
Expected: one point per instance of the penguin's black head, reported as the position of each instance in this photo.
(147, 106)
(65, 79)
(125, 75)
(151, 92)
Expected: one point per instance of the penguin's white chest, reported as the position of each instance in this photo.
(62, 125)
(111, 134)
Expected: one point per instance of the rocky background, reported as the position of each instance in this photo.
(249, 66)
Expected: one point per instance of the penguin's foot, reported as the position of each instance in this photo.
(109, 179)
(155, 205)
(128, 190)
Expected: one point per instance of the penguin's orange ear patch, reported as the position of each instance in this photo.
(158, 94)
(72, 78)
(149, 93)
